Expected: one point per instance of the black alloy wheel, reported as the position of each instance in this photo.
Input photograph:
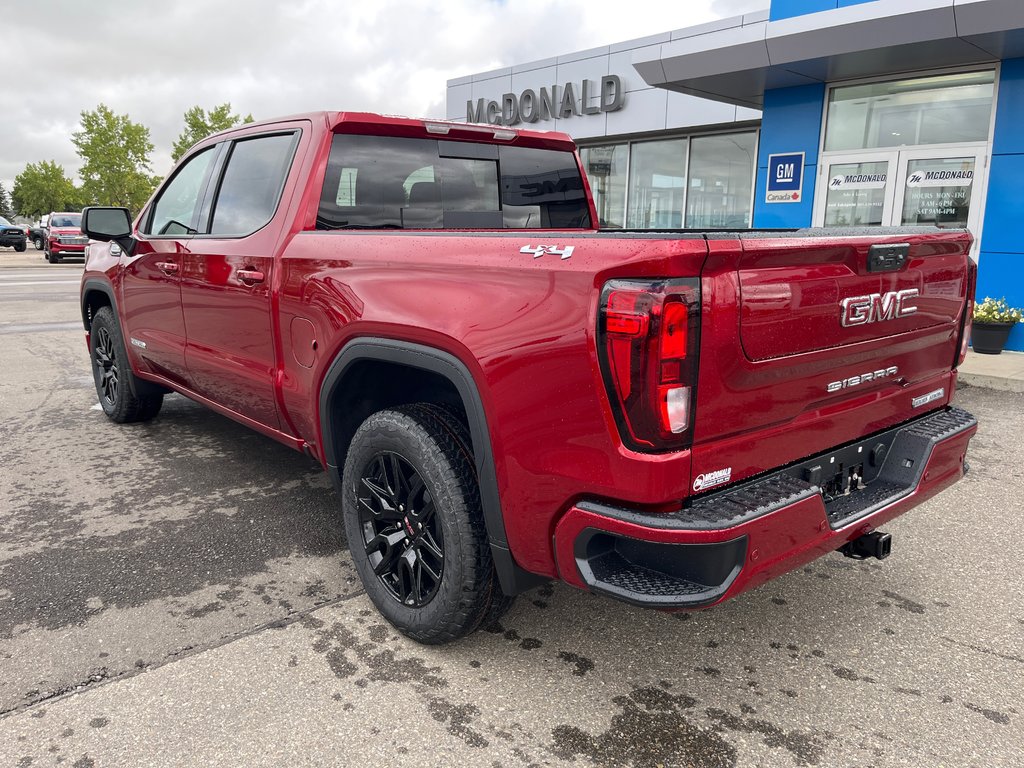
(123, 396)
(106, 362)
(401, 532)
(414, 523)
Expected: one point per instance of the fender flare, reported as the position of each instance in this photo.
(138, 385)
(512, 577)
(95, 284)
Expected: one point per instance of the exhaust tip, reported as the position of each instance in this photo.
(875, 544)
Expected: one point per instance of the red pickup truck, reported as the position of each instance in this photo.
(503, 394)
(63, 237)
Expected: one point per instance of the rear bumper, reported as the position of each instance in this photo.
(737, 538)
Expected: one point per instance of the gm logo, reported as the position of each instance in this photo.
(862, 310)
(785, 172)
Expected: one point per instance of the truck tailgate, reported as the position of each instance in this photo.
(816, 338)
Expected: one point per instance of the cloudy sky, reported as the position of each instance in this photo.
(153, 59)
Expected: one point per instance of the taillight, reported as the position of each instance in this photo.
(968, 322)
(647, 344)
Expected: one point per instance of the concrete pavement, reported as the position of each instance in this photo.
(1004, 371)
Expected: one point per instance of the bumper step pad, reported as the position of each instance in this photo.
(907, 449)
(886, 467)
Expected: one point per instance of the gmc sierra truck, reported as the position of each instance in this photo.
(504, 395)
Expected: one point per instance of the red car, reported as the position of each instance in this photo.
(64, 237)
(503, 394)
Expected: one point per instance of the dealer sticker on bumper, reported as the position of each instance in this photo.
(711, 479)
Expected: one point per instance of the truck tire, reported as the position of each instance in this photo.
(498, 603)
(123, 397)
(415, 528)
(51, 257)
(20, 247)
(38, 243)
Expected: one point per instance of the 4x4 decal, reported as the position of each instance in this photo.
(554, 250)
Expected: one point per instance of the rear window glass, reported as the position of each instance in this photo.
(382, 182)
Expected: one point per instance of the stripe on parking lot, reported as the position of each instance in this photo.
(6, 328)
(4, 284)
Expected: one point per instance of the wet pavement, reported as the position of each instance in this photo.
(179, 593)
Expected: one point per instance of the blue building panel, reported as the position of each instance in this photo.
(995, 277)
(791, 123)
(785, 9)
(1009, 138)
(1002, 232)
(1001, 261)
(1001, 275)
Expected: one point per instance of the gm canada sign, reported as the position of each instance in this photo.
(785, 178)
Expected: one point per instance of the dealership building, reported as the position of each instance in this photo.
(810, 113)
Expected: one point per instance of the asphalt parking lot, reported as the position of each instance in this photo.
(179, 593)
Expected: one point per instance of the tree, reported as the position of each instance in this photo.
(44, 187)
(115, 154)
(5, 204)
(199, 124)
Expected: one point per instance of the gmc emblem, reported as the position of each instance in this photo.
(861, 310)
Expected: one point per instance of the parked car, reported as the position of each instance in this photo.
(37, 234)
(64, 237)
(12, 235)
(504, 395)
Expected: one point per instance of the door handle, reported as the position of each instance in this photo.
(169, 267)
(251, 276)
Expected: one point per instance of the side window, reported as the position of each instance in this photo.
(174, 212)
(252, 183)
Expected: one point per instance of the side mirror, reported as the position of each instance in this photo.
(106, 224)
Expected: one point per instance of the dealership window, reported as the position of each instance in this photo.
(703, 182)
(941, 109)
(606, 170)
(657, 184)
(721, 181)
(856, 198)
(907, 151)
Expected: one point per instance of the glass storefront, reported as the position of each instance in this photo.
(943, 109)
(856, 194)
(721, 180)
(938, 192)
(657, 182)
(701, 182)
(907, 152)
(606, 171)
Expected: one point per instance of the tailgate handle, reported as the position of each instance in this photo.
(887, 258)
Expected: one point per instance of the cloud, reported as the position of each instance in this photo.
(153, 59)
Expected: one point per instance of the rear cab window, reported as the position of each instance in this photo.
(383, 182)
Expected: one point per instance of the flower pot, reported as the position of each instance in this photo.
(990, 338)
